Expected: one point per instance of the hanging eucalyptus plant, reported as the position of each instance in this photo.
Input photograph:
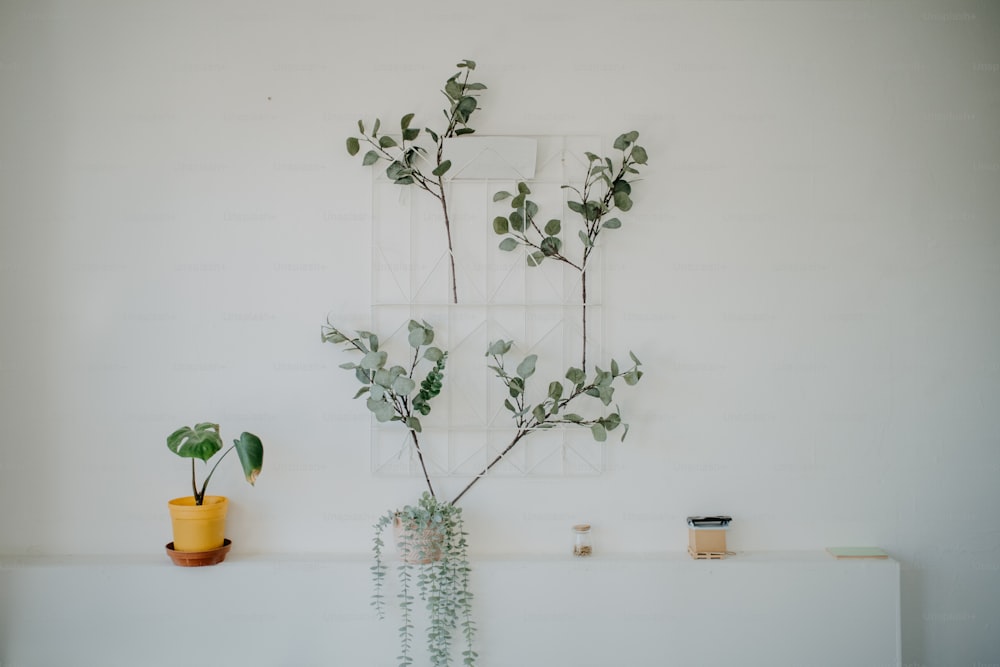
(439, 571)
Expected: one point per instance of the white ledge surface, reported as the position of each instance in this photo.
(753, 608)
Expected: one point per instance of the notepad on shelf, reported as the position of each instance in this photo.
(857, 552)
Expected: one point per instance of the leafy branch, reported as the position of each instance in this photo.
(404, 156)
(551, 411)
(391, 389)
(606, 188)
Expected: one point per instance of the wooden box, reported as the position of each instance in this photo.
(707, 541)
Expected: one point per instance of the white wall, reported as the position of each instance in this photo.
(810, 273)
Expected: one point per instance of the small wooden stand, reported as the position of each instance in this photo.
(707, 555)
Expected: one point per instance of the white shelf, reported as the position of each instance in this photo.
(755, 608)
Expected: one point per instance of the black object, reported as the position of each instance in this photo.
(718, 521)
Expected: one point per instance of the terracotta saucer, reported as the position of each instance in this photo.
(199, 558)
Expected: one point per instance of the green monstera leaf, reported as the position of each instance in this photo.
(251, 452)
(201, 442)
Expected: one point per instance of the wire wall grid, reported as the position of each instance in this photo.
(499, 296)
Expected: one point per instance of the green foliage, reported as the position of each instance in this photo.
(390, 389)
(406, 160)
(432, 539)
(581, 398)
(204, 441)
(431, 385)
(400, 149)
(531, 415)
(605, 189)
(201, 442)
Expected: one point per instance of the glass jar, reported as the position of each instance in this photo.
(581, 540)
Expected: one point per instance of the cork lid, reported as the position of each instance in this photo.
(581, 527)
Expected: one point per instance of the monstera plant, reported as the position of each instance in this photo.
(199, 520)
(203, 441)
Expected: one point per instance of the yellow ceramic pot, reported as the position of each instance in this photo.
(198, 527)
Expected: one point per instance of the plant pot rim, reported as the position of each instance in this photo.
(188, 501)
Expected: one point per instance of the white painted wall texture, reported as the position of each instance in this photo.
(810, 273)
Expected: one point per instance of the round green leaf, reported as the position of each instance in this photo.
(550, 246)
(500, 225)
(526, 368)
(381, 409)
(508, 244)
(403, 385)
(353, 145)
(420, 336)
(555, 390)
(442, 168)
(499, 347)
(622, 201)
(373, 360)
(517, 221)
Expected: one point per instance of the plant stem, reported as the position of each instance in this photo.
(449, 133)
(583, 281)
(517, 438)
(194, 486)
(204, 486)
(447, 231)
(423, 466)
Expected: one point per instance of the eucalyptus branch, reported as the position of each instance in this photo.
(517, 438)
(550, 411)
(515, 227)
(389, 388)
(403, 168)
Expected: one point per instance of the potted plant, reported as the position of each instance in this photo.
(430, 537)
(199, 520)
